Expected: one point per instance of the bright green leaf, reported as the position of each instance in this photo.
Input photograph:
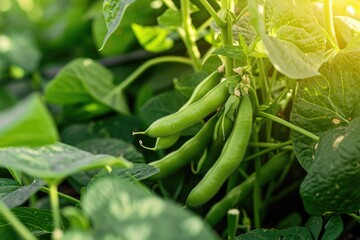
(326, 102)
(350, 27)
(27, 123)
(333, 181)
(314, 224)
(294, 41)
(170, 19)
(137, 172)
(14, 195)
(114, 11)
(161, 105)
(153, 39)
(113, 147)
(83, 80)
(54, 162)
(233, 52)
(38, 221)
(138, 214)
(294, 233)
(333, 228)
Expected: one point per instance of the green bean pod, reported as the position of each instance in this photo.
(194, 113)
(223, 132)
(239, 193)
(193, 148)
(203, 88)
(230, 158)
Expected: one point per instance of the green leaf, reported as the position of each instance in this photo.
(170, 19)
(233, 52)
(153, 39)
(137, 172)
(83, 80)
(333, 181)
(54, 162)
(138, 214)
(349, 26)
(161, 105)
(14, 195)
(187, 85)
(114, 11)
(294, 233)
(38, 221)
(314, 224)
(326, 102)
(294, 41)
(113, 147)
(114, 127)
(333, 228)
(27, 123)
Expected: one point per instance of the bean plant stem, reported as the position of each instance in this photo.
(270, 149)
(213, 13)
(288, 124)
(257, 186)
(189, 35)
(15, 223)
(62, 195)
(233, 220)
(55, 207)
(356, 217)
(146, 65)
(328, 21)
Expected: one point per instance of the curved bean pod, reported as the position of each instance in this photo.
(203, 88)
(239, 193)
(194, 113)
(230, 158)
(193, 148)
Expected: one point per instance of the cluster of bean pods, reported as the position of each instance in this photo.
(221, 143)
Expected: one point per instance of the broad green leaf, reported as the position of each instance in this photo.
(354, 44)
(333, 181)
(234, 52)
(83, 80)
(153, 39)
(137, 172)
(350, 27)
(161, 105)
(314, 224)
(326, 102)
(27, 123)
(54, 162)
(113, 147)
(294, 41)
(170, 19)
(114, 127)
(187, 85)
(138, 215)
(294, 233)
(38, 221)
(114, 11)
(14, 195)
(109, 146)
(333, 228)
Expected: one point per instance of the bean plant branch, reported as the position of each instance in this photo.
(289, 125)
(189, 35)
(15, 223)
(220, 22)
(328, 21)
(146, 65)
(55, 207)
